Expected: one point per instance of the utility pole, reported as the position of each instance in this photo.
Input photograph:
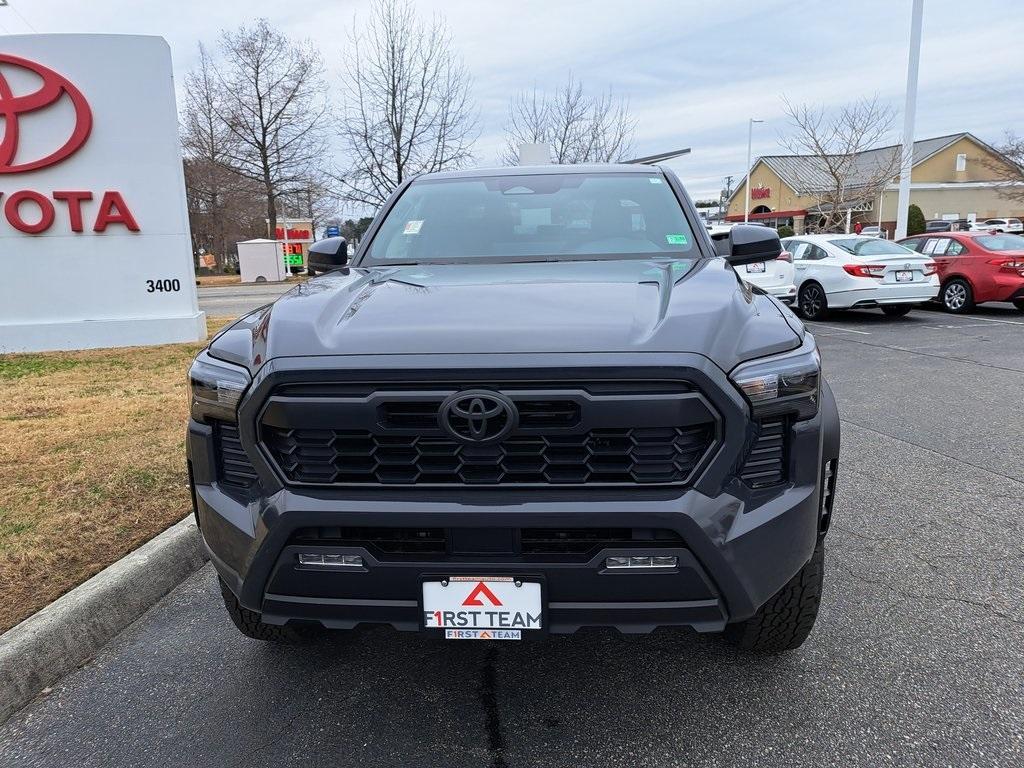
(750, 139)
(909, 111)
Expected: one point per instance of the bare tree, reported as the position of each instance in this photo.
(271, 100)
(408, 102)
(835, 166)
(211, 183)
(1009, 167)
(579, 128)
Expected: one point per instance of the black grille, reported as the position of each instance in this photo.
(586, 540)
(389, 541)
(533, 414)
(766, 462)
(648, 455)
(541, 542)
(235, 467)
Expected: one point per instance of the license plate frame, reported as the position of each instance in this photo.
(904, 276)
(503, 587)
(756, 268)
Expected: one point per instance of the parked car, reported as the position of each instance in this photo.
(975, 267)
(872, 231)
(997, 225)
(535, 401)
(776, 277)
(857, 272)
(955, 225)
(326, 255)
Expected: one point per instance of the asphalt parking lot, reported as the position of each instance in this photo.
(917, 658)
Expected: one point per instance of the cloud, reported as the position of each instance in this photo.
(693, 71)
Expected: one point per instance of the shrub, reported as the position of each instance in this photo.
(915, 220)
(786, 231)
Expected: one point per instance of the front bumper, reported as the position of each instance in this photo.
(737, 546)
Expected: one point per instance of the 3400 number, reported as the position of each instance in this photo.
(163, 286)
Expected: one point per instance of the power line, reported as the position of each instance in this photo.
(27, 22)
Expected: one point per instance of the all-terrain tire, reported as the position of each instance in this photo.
(785, 621)
(250, 624)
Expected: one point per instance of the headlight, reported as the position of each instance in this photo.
(217, 388)
(788, 383)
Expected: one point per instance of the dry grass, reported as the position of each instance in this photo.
(92, 463)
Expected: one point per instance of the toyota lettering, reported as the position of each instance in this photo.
(34, 212)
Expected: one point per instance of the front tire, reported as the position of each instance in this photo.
(813, 302)
(785, 621)
(897, 310)
(1019, 304)
(957, 296)
(250, 624)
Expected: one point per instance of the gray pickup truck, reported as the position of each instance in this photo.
(535, 400)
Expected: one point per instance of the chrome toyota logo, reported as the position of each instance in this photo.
(478, 416)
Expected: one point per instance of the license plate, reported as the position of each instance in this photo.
(904, 276)
(757, 266)
(482, 607)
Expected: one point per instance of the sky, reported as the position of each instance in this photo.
(693, 72)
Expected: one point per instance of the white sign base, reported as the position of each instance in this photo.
(95, 249)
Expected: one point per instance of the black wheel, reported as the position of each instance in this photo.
(812, 302)
(1019, 304)
(785, 621)
(957, 296)
(250, 624)
(310, 271)
(897, 310)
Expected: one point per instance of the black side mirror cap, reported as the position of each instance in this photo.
(748, 243)
(335, 249)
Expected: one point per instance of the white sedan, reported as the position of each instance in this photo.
(853, 272)
(776, 278)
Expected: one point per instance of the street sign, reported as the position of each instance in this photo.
(332, 232)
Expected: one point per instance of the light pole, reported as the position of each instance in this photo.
(909, 109)
(750, 139)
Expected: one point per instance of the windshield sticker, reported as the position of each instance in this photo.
(413, 227)
(676, 239)
(654, 180)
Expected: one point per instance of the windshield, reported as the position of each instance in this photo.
(872, 247)
(1002, 242)
(544, 217)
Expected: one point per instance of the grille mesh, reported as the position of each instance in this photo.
(649, 455)
(766, 462)
(235, 467)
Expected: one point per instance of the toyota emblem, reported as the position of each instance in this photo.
(54, 88)
(478, 416)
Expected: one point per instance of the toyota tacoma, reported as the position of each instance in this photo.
(535, 400)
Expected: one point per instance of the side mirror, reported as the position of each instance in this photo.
(329, 252)
(748, 243)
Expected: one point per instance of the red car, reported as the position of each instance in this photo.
(974, 267)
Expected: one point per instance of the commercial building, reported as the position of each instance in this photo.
(952, 177)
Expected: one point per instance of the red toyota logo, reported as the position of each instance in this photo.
(53, 88)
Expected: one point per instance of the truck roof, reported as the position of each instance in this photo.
(536, 170)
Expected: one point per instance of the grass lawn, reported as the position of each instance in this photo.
(92, 463)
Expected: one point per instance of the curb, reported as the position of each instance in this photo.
(69, 631)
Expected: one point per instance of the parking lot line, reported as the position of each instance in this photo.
(838, 328)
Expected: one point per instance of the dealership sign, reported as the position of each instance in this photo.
(94, 242)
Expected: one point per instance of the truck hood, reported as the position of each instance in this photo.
(558, 307)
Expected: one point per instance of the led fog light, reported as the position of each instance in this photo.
(642, 561)
(331, 561)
